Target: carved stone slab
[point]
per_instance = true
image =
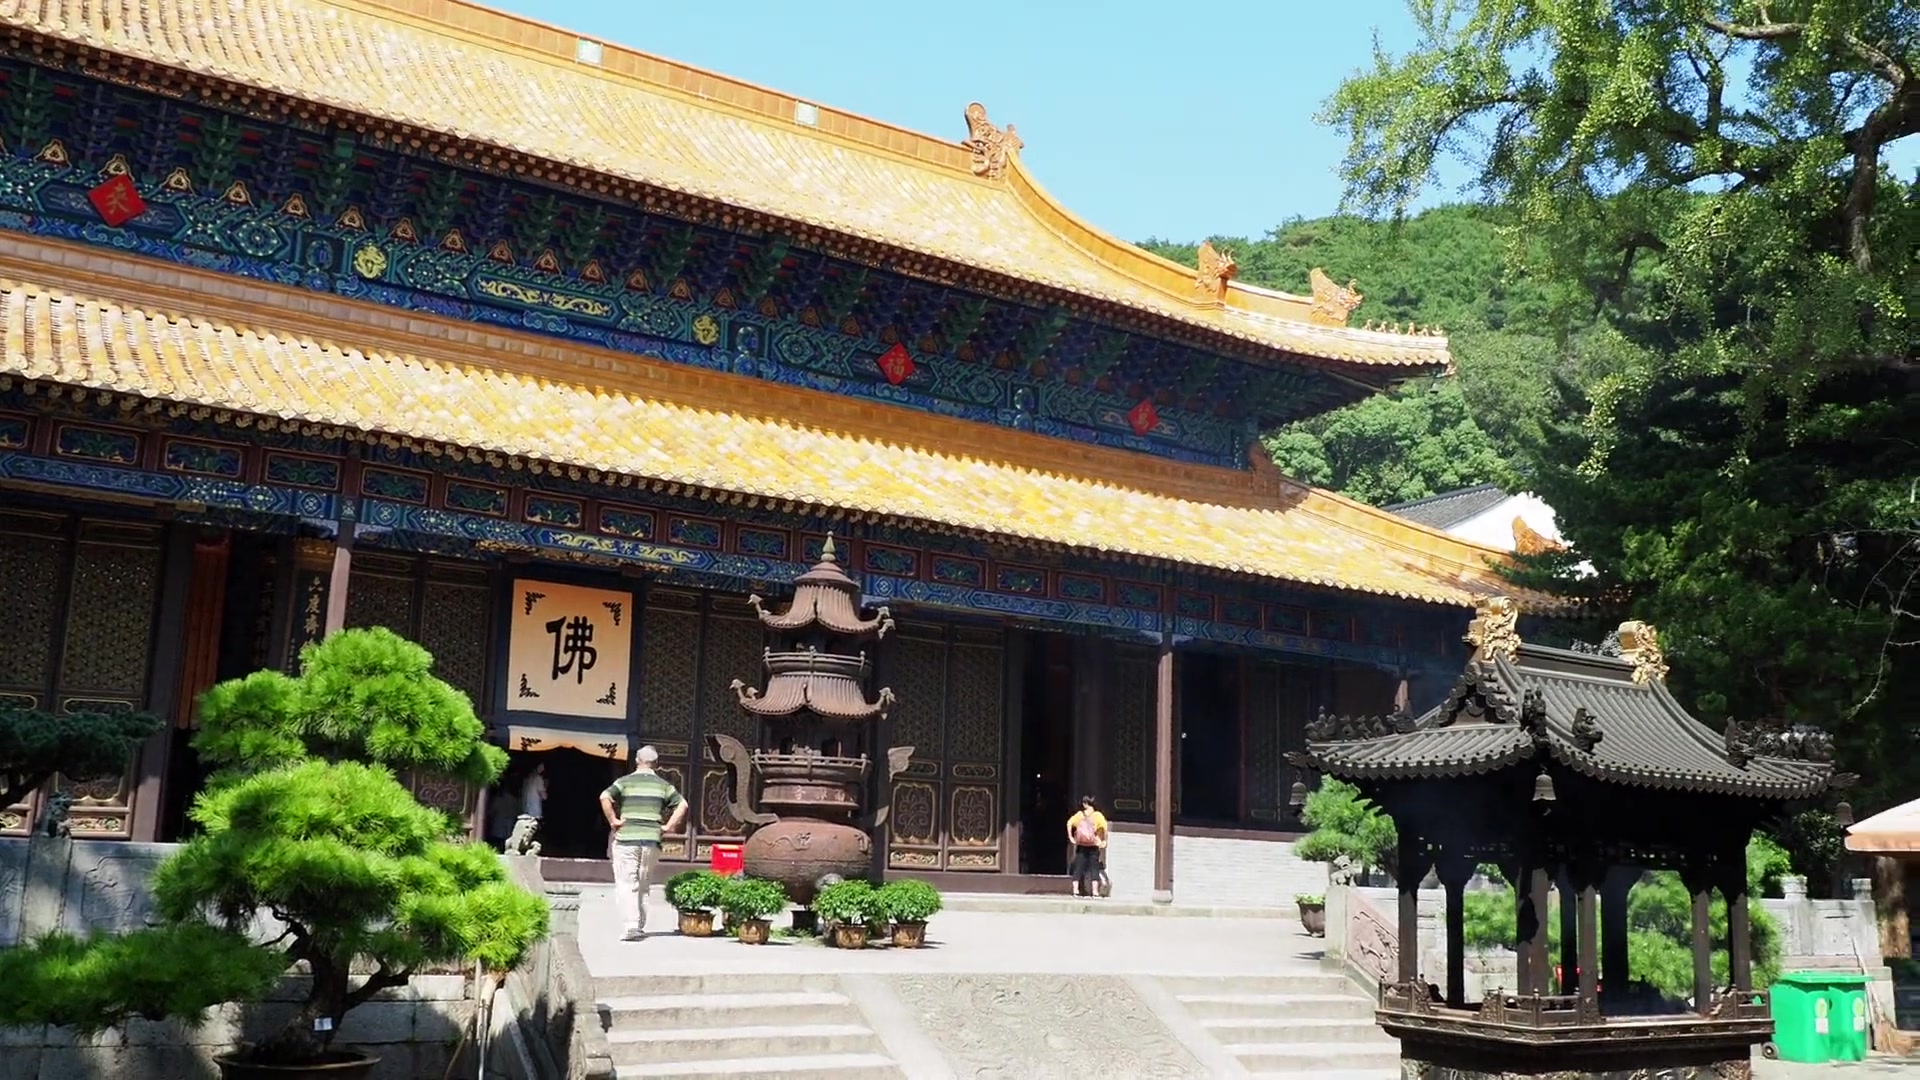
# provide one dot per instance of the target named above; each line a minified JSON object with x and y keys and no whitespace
{"x":1044,"y":1027}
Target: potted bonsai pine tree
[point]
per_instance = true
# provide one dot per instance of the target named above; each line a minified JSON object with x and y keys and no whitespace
{"x":311,"y":853}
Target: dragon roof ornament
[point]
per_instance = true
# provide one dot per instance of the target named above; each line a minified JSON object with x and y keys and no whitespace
{"x":1640,"y":646}
{"x":1495,"y":629}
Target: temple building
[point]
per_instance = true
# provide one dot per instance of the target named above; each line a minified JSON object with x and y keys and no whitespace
{"x":548,"y":354}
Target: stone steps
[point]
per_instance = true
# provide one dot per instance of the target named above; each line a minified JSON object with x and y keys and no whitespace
{"x":1294,"y":1029}
{"x":737,"y":1043}
{"x":826,"y":1067}
{"x":665,"y":1011}
{"x":1296,"y":1025}
{"x":1317,"y":1058}
{"x":783,"y":1026}
{"x":1308,"y":981}
{"x":1222,"y":1006}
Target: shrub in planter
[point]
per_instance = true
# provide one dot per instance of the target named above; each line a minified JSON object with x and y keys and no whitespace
{"x":1346,"y":826}
{"x":695,"y":894}
{"x":849,"y":907}
{"x":908,"y":904}
{"x":749,"y":904}
{"x":305,"y":825}
{"x":1313,"y":913}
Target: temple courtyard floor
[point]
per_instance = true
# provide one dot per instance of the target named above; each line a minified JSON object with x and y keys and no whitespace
{"x":1029,"y":988}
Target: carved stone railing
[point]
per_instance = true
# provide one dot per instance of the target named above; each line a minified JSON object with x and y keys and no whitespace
{"x":1372,"y":943}
{"x":552,"y":994}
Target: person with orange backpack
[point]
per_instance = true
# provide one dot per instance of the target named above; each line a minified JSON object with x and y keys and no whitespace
{"x":1087,"y":832}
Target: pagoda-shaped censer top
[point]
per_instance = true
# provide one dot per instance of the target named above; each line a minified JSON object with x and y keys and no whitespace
{"x":801,"y":790}
{"x":827,"y":599}
{"x":826,"y":685}
{"x":811,"y":675}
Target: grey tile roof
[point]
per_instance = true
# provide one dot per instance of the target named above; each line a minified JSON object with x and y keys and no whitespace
{"x":1449,"y":508}
{"x":1647,"y":738}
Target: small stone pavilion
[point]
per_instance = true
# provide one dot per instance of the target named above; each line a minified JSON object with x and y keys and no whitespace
{"x":1579,"y":771}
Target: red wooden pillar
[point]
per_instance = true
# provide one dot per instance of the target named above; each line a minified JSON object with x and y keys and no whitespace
{"x":206,"y":613}
{"x":1163,"y":773}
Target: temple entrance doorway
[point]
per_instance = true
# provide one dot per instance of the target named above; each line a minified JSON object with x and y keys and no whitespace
{"x":1046,"y":753}
{"x":571,"y":826}
{"x":1210,"y":754}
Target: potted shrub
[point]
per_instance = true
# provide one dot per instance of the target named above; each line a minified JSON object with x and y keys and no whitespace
{"x":1313,"y":913}
{"x":750,"y":903}
{"x":694,"y":894}
{"x":848,"y":907}
{"x":908,"y":904}
{"x":1347,"y":827}
{"x":312,"y":854}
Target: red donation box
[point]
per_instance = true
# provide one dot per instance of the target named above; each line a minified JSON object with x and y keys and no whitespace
{"x":728,"y":859}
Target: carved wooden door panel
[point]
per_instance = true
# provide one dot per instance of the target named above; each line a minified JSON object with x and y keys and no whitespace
{"x":80,"y":599}
{"x":951,"y":708}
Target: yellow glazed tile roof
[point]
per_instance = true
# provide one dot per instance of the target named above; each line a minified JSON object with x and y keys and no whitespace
{"x":496,"y":80}
{"x":204,"y":339}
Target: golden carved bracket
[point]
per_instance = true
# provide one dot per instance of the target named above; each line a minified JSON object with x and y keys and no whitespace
{"x":993,"y":149}
{"x":1495,"y":629}
{"x":1332,"y":304}
{"x":1216,"y":268}
{"x":1640,"y":646}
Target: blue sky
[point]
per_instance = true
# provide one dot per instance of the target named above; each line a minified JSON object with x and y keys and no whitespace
{"x":1170,"y":120}
{"x":1174,"y":121}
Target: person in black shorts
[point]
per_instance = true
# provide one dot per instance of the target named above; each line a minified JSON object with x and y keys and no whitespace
{"x":1087,"y":832}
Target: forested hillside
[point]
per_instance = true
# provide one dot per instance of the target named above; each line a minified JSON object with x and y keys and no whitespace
{"x":1446,"y":267}
{"x":1686,"y":313}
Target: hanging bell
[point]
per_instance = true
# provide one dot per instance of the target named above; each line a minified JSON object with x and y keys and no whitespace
{"x":1543,"y":789}
{"x":1297,"y":798}
{"x":1843,"y":814}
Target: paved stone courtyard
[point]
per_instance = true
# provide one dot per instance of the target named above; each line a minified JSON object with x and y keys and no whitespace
{"x":1046,"y":995}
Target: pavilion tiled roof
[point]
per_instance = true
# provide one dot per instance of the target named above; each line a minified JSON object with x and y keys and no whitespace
{"x":99,"y":320}
{"x":455,"y":78}
{"x":1450,"y":508}
{"x":1524,"y":705}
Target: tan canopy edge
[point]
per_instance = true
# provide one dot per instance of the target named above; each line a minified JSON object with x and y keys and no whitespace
{"x":594,"y":743}
{"x":1889,"y":832}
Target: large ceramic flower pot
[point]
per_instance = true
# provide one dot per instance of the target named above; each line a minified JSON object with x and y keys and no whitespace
{"x":696,"y":924}
{"x":850,"y":936}
{"x":796,"y":852}
{"x":340,"y":1065}
{"x":1313,"y":919}
{"x":909,"y":935}
{"x":755,"y":931}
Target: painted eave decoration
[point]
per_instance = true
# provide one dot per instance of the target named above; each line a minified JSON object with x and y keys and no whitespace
{"x":504,"y":92}
{"x":196,"y":338}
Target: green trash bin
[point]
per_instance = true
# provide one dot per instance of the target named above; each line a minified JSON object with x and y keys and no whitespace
{"x":1847,"y":1031}
{"x":1800,"y":1010}
{"x":1819,"y":1016}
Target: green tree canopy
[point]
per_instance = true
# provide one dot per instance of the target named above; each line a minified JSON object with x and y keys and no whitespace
{"x":1702,"y":190}
{"x":35,"y":745}
{"x":367,"y":696}
{"x":305,"y":825}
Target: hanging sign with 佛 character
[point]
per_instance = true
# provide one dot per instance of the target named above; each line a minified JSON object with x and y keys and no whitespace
{"x":569,"y":650}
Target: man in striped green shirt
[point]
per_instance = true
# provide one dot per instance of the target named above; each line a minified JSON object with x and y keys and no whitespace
{"x":635,"y":806}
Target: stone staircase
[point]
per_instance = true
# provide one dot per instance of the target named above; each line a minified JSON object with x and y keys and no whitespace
{"x":781,"y":1027}
{"x":1293,"y":1025}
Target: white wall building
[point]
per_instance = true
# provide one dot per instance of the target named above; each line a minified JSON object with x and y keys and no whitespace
{"x":1486,"y":515}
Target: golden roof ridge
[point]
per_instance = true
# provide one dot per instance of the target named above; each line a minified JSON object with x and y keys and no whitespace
{"x":309,"y":51}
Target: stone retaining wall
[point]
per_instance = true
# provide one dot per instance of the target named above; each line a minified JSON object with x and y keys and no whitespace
{"x":1214,"y":871}
{"x":101,"y":885}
